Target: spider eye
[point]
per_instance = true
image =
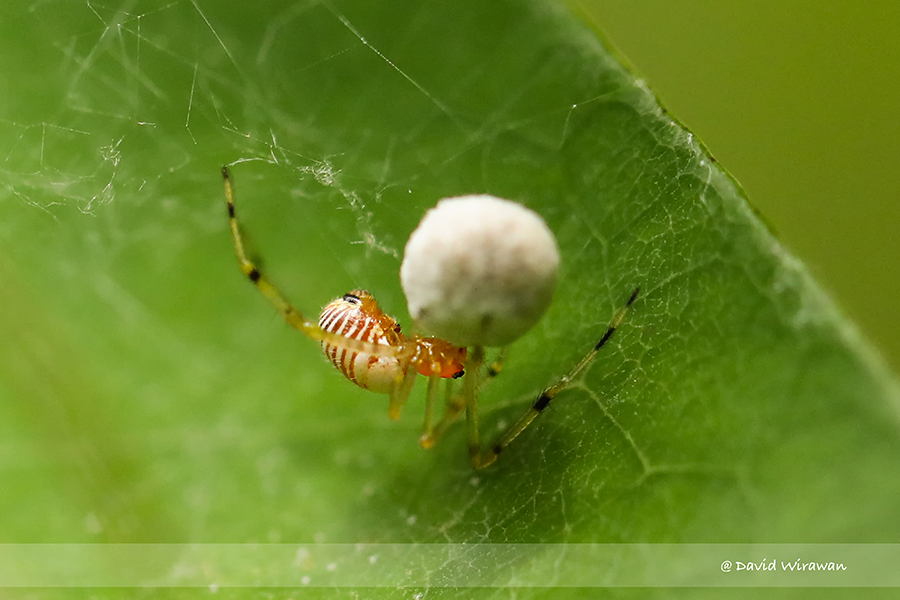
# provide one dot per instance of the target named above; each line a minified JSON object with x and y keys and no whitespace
{"x":351,"y":299}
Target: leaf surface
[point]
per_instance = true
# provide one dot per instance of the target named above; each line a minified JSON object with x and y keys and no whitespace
{"x":151,"y":395}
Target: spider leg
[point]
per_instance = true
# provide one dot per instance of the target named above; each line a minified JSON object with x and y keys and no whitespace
{"x":426,"y":440}
{"x":250,"y":270}
{"x":400,"y":391}
{"x":470,"y":392}
{"x":453,"y":405}
{"x":481,"y":460}
{"x":285,"y":308}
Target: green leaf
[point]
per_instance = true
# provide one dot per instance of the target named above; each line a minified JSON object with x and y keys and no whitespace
{"x":151,"y":395}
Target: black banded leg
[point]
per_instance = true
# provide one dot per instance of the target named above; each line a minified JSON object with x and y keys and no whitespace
{"x":250,"y":270}
{"x":291,"y":314}
{"x":543,"y":400}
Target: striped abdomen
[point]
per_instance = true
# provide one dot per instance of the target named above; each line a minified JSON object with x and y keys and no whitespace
{"x":356,"y":316}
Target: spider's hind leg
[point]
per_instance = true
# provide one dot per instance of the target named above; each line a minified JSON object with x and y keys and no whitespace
{"x":293,"y":316}
{"x":252,"y":272}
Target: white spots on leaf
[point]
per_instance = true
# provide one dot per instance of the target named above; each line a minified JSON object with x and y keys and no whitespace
{"x":92,"y":524}
{"x":302,"y":557}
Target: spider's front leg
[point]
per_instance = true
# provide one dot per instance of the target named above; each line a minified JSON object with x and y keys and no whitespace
{"x":484,"y":459}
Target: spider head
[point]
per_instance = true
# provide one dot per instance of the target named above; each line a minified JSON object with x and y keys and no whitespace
{"x":449,"y":360}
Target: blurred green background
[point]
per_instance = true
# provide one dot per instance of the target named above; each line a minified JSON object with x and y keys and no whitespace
{"x":147,"y":393}
{"x":799,"y":101}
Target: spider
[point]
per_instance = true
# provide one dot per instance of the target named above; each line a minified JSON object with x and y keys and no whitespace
{"x":368,"y":347}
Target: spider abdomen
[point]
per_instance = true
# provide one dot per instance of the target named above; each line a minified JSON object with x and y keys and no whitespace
{"x":356,"y":316}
